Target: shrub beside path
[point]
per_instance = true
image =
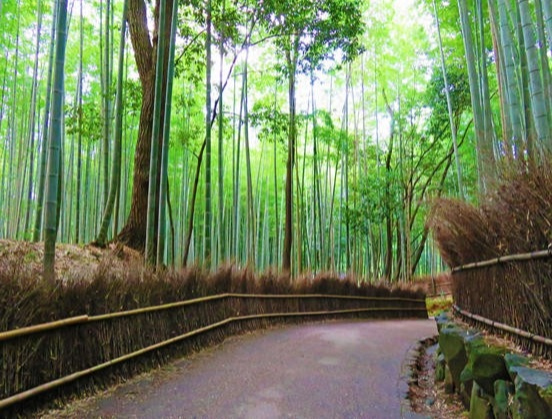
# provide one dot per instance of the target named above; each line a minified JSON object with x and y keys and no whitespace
{"x":342,"y":369}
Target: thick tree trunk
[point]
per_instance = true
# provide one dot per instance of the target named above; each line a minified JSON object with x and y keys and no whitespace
{"x":133,"y":233}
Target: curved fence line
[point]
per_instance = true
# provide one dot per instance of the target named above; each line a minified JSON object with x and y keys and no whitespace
{"x":540,"y":254}
{"x":17,"y":398}
{"x":510,"y":329}
{"x":43,"y":327}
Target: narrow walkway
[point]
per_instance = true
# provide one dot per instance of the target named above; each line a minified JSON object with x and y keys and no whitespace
{"x":331,"y":370}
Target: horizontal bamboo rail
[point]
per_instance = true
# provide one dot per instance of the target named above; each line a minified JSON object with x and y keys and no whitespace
{"x":540,"y":254}
{"x":75,"y":376}
{"x":504,"y":327}
{"x":43,"y":327}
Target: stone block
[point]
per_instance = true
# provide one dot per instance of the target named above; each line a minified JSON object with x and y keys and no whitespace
{"x":449,"y":382}
{"x":440,"y":365}
{"x":531,"y":389}
{"x":480,"y":408}
{"x":503,"y":396}
{"x":452,"y":343}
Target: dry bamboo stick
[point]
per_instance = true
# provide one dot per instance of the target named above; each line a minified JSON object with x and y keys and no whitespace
{"x":325,"y":313}
{"x":541,"y":254}
{"x":150,"y":309}
{"x":72,"y":377}
{"x":505,"y":327}
{"x":43,"y":327}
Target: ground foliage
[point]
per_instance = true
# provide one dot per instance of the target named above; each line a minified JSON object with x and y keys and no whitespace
{"x":516,"y":217}
{"x":25,"y":300}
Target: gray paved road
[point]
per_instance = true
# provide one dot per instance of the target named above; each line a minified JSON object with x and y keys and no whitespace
{"x":329,"y":370}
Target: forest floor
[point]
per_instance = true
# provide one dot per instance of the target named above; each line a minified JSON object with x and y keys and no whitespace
{"x":72,"y":261}
{"x":428,"y":397}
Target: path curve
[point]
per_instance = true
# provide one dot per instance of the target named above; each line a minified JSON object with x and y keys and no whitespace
{"x":343,"y":369}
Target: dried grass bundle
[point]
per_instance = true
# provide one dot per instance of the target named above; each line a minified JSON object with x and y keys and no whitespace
{"x":514,"y":218}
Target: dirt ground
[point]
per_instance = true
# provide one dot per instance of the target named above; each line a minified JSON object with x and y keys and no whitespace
{"x":72,"y":261}
{"x":428,"y":397}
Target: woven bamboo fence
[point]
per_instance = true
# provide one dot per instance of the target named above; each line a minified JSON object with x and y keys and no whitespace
{"x":39,"y":361}
{"x":511,"y":295}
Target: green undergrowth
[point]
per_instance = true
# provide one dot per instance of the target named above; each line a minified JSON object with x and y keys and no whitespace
{"x":436,"y":305}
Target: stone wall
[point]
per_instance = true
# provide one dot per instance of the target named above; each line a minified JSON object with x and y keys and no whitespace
{"x":491,"y":381}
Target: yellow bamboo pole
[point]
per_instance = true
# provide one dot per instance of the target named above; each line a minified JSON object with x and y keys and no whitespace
{"x":510,"y":329}
{"x":161,"y":307}
{"x":72,"y":377}
{"x":332,"y":296}
{"x":43,"y":327}
{"x":541,"y":254}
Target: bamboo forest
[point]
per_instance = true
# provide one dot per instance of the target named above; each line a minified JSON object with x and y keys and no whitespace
{"x":296,"y":135}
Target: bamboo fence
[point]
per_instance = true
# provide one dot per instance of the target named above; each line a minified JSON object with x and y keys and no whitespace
{"x":511,"y":295}
{"x":501,"y":326}
{"x":107,"y":340}
{"x":519,"y":257}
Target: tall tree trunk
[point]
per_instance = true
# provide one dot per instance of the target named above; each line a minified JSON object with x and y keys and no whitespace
{"x":524,"y":87}
{"x":221,"y":248}
{"x":133,"y":233}
{"x":156,"y":139}
{"x":117,"y":143}
{"x":387,"y":198}
{"x":106,"y":46}
{"x":485,"y":156}
{"x":512,"y":83}
{"x":543,"y":55}
{"x":449,"y":107}
{"x":276,"y":203}
{"x":251,"y":236}
{"x":490,"y":136}
{"x":79,"y":128}
{"x":164,"y":197}
{"x":54,"y":151}
{"x":45,"y":132}
{"x":538,"y":102}
{"x":547,"y":12}
{"x":32,"y":118}
{"x":291,"y":60}
{"x":208,"y":215}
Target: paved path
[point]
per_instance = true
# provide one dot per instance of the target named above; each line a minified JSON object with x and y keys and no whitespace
{"x":345,"y":369}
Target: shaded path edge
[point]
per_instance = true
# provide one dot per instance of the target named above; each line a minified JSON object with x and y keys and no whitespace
{"x":408,"y":376}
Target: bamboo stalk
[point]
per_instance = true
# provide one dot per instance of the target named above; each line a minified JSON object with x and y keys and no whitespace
{"x":72,"y":377}
{"x":541,"y":254}
{"x":504,"y":327}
